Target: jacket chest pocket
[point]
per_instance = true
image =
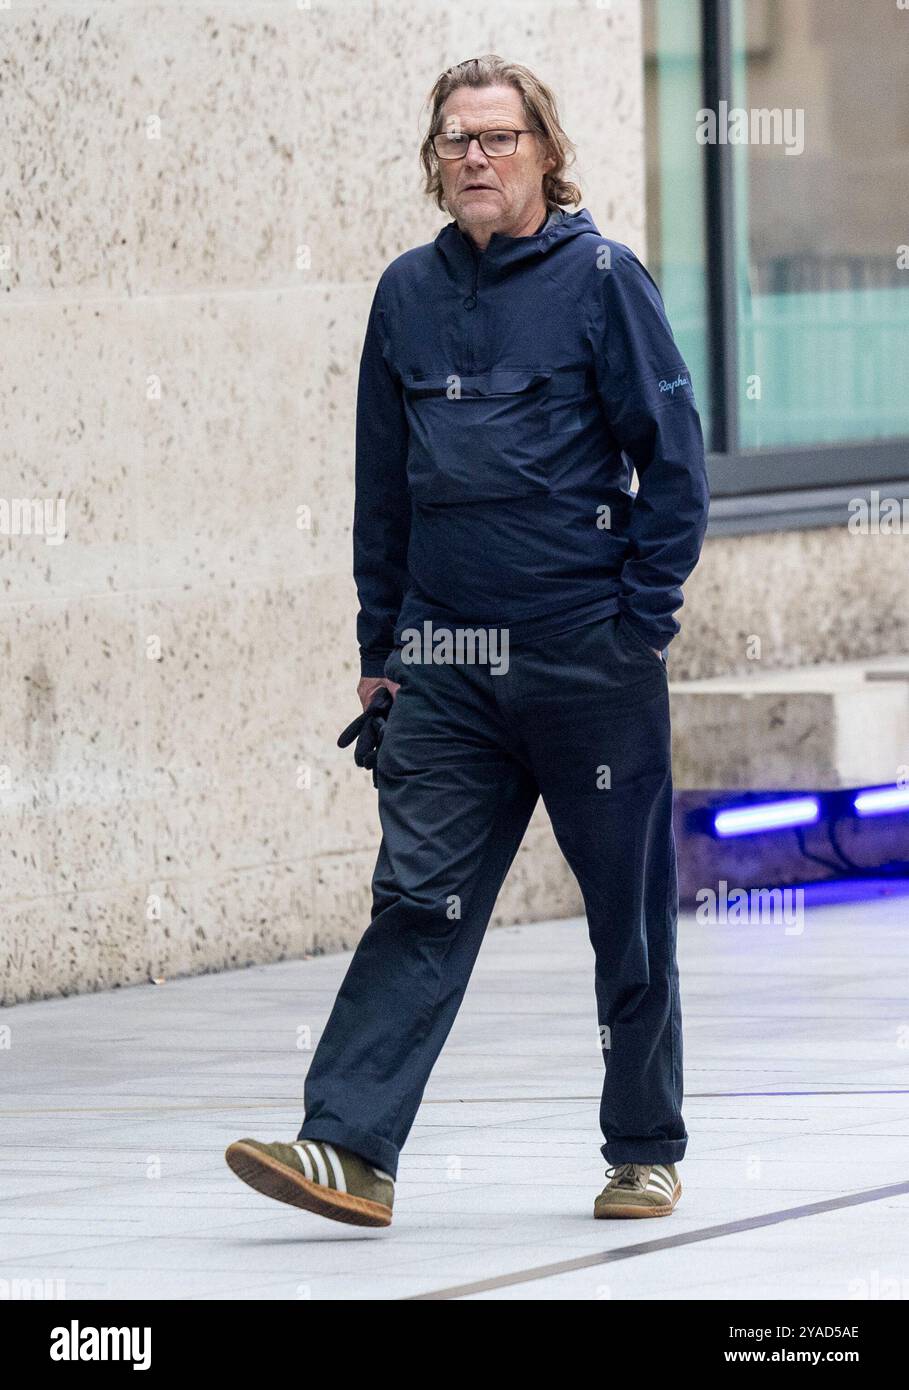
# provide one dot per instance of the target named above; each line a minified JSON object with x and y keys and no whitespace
{"x":477,"y":438}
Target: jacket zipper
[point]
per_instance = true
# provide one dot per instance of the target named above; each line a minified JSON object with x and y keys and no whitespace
{"x":471,"y":315}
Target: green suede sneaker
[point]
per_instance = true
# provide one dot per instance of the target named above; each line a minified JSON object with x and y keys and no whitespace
{"x":639,"y":1189}
{"x":319,"y":1177}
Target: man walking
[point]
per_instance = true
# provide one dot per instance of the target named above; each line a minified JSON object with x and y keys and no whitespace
{"x":514,"y":371}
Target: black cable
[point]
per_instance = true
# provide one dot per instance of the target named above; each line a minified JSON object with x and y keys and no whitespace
{"x":806,"y":853}
{"x":850,"y":863}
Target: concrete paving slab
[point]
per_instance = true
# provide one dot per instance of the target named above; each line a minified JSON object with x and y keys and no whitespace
{"x":117,"y":1108}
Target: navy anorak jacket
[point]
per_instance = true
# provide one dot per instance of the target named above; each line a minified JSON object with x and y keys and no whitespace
{"x":504,"y":398}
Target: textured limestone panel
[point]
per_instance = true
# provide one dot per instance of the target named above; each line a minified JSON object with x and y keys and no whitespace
{"x":71,"y":142}
{"x":200,"y":825}
{"x":201,"y":134}
{"x":178,"y":941}
{"x":753,"y":740}
{"x":256,"y":916}
{"x":307,"y":358}
{"x":330,"y":656}
{"x":72,"y":944}
{"x":220,"y":153}
{"x":71,"y":417}
{"x":342,"y":900}
{"x":24,"y":839}
{"x":809,"y":596}
{"x":216,"y":504}
{"x":345,"y":807}
{"x":241,"y":718}
{"x":820,"y":726}
{"x":365,"y":71}
{"x":185,"y":378}
{"x":159,"y":146}
{"x":70,"y":733}
{"x":248,"y":437}
{"x":240,"y":918}
{"x":91,"y":847}
{"x":263,"y":815}
{"x":226,"y":735}
{"x":231,"y":673}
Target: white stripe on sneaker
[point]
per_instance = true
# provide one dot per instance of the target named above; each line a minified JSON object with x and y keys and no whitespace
{"x":336,"y":1168}
{"x":661,"y":1181}
{"x":379,"y":1174}
{"x":304,"y":1159}
{"x":315,"y":1152}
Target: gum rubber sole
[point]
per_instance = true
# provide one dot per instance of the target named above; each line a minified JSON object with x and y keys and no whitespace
{"x":266,"y":1175}
{"x":636,"y":1212}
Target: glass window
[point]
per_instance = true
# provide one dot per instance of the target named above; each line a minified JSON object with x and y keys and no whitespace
{"x":821,"y":199}
{"x":676,"y":240}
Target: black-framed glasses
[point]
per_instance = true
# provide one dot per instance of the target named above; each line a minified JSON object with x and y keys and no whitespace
{"x":454,"y":144}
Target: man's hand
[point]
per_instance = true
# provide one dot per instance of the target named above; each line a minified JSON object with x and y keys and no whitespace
{"x":370,"y":684}
{"x":377,"y":697}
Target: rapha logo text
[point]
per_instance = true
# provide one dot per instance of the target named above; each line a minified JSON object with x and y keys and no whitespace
{"x":673,"y":386}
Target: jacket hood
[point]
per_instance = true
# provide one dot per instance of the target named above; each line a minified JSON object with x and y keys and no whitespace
{"x":504,"y":252}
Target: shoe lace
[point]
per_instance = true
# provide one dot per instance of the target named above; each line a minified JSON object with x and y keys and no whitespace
{"x":625,"y":1175}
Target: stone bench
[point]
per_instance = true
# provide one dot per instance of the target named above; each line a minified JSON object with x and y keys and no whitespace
{"x":819,"y":727}
{"x":815,"y":729}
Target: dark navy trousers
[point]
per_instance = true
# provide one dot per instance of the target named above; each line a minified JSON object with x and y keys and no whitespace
{"x":583,"y":720}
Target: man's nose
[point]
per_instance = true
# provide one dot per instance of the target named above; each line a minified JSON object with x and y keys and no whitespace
{"x":475,"y":156}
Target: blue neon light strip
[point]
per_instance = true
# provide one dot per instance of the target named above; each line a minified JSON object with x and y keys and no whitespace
{"x":879,"y":801}
{"x":766,"y":815}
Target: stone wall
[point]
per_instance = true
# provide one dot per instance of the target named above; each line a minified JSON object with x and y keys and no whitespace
{"x":199,"y":199}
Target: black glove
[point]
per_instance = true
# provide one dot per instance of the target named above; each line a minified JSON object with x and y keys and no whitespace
{"x":368,"y":729}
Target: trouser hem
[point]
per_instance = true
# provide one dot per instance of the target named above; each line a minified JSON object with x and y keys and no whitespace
{"x":380,"y":1152}
{"x":644,"y":1150}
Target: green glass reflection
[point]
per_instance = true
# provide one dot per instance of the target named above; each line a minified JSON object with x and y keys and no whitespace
{"x":676,"y":254}
{"x":823,"y":298}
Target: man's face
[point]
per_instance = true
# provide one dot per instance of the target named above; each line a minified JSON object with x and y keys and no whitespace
{"x":503,"y":194}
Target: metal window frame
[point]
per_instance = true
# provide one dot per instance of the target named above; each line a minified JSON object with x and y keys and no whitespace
{"x":802,"y":486}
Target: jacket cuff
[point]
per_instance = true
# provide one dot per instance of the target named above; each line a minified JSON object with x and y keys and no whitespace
{"x":651,"y":636}
{"x":373,"y":665}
